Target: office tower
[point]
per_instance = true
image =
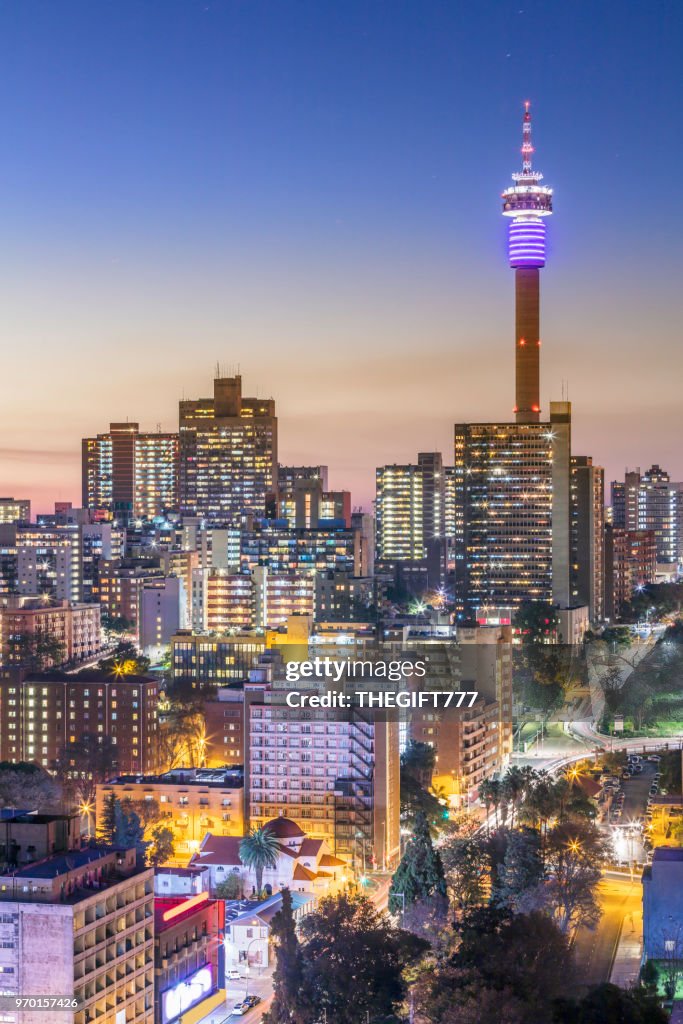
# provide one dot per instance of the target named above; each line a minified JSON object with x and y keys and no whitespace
{"x":80,"y":922}
{"x":224,"y":726}
{"x":588,"y":536}
{"x":15,"y":510}
{"x":41,"y":715}
{"x":228,"y":453}
{"x":193,"y":801}
{"x":287,"y":476}
{"x":512,"y":512}
{"x":363,"y":524}
{"x":625,"y":501}
{"x":512,"y":481}
{"x":47,"y":561}
{"x":325,"y":549}
{"x":630,"y":563}
{"x":119,"y":585}
{"x":410,"y":510}
{"x":161,"y":613}
{"x":652,"y":501}
{"x":218,"y":660}
{"x":129,"y":474}
{"x":526,"y":203}
{"x":307,"y":505}
{"x":99,"y":543}
{"x":338,"y":780}
{"x":342,"y":598}
{"x":40,"y":635}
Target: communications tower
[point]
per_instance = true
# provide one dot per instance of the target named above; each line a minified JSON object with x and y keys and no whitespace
{"x":527,"y":203}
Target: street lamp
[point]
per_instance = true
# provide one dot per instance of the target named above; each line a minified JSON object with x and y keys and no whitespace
{"x":361,"y":836}
{"x":246,"y":970}
{"x":86,"y":809}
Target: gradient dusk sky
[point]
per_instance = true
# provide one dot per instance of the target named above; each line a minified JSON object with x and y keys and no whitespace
{"x":309,"y":191}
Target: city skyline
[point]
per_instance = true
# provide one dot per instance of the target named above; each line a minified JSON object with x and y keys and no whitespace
{"x":220,"y":216}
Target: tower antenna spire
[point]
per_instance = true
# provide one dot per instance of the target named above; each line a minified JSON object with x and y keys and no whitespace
{"x":527,"y":148}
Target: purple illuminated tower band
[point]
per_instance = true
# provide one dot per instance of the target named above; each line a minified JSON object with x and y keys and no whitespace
{"x":527,"y":202}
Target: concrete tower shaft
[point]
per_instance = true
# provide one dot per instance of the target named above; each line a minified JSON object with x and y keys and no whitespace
{"x":527,"y":345}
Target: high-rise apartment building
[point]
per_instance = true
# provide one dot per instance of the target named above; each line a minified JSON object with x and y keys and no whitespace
{"x":588,"y":536}
{"x":410,"y":510}
{"x":228,"y":453}
{"x":651,"y":501}
{"x":338,"y":780}
{"x":129,"y":474}
{"x":15,"y":510}
{"x":80,"y":923}
{"x":42,"y":715}
{"x":630,"y":562}
{"x":48,"y":561}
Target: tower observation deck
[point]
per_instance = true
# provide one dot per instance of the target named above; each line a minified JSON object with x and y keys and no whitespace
{"x":527,"y":203}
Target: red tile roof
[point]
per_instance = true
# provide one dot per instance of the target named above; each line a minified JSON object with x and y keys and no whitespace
{"x":218,"y":850}
{"x":284,"y":828}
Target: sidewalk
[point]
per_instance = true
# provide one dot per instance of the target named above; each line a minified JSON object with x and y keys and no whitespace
{"x":629,"y":952}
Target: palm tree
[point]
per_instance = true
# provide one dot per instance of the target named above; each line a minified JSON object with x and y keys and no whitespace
{"x":259,"y":850}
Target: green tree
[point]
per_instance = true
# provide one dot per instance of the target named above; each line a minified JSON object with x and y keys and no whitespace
{"x":420,"y":875}
{"x":418,"y":760}
{"x":231,"y":888}
{"x":162,"y":847}
{"x":292,"y":1003}
{"x":467,"y":869}
{"x":106,"y":821}
{"x":523,"y":954}
{"x":259,"y":850}
{"x":130,"y":831}
{"x":575,"y":852}
{"x":606,"y":1003}
{"x":124,"y":661}
{"x":354,"y":959}
{"x":36,"y":651}
{"x":27,"y":785}
{"x":85,"y":763}
{"x":521,"y":871}
{"x":490,"y":791}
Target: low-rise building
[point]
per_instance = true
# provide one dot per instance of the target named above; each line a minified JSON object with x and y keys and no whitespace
{"x":188,"y":970}
{"x":69,"y":633}
{"x":303,"y":865}
{"x":170,"y":881}
{"x":247,"y":936}
{"x":663,"y":905}
{"x":192,"y":801}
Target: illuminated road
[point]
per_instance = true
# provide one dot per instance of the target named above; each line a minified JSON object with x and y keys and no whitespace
{"x":594,"y":950}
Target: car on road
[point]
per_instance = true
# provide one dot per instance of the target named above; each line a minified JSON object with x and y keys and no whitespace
{"x":654,"y":757}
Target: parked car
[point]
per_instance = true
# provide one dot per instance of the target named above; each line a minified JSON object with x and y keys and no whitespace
{"x":654,"y":757}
